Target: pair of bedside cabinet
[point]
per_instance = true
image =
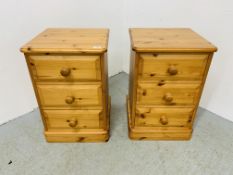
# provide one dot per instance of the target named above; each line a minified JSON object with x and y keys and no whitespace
{"x":68,"y":68}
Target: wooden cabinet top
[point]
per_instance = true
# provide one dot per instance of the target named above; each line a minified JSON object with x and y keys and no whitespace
{"x":168,"y":40}
{"x":68,"y":40}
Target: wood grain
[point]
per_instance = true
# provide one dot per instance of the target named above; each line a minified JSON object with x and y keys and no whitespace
{"x":151,"y":116}
{"x":168,"y":69}
{"x":156,"y":133}
{"x":168,"y":40}
{"x":59,"y":120}
{"x":68,"y":68}
{"x":68,"y":40}
{"x":106,"y":99}
{"x":91,"y":135}
{"x":153,"y":93}
{"x":56,"y":95}
{"x":81,"y":67}
{"x":156,"y":66}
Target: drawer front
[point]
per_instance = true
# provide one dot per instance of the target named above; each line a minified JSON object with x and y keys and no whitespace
{"x":65,"y":67}
{"x":69,"y":95}
{"x":167,"y":94}
{"x":72,"y":119}
{"x":163,"y":116}
{"x":172,"y":66}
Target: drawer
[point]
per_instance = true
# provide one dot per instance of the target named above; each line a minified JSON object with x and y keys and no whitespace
{"x":167,"y":93}
{"x":163,"y":116}
{"x":72,"y":119}
{"x":70,"y":95}
{"x":172,"y":66}
{"x":65,"y":67}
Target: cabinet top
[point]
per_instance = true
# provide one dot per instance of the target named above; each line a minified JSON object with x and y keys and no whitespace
{"x":68,"y":40}
{"x":168,"y":40}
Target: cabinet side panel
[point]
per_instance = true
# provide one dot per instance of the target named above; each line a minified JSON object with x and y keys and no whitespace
{"x":131,"y":74}
{"x":202,"y":86}
{"x":133,"y":85}
{"x":104,"y":122}
{"x":35,"y":89}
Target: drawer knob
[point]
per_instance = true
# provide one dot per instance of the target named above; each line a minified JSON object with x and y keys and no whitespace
{"x":72,"y":123}
{"x":172,"y":70}
{"x":65,"y":72}
{"x":163,"y":120}
{"x":70,"y":99}
{"x":142,"y":116}
{"x":168,"y":97}
{"x":144,"y":92}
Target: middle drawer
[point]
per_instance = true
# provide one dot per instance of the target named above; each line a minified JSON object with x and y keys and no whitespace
{"x":70,"y":95}
{"x":167,"y":93}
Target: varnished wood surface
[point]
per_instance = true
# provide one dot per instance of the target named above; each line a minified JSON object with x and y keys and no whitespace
{"x":154,"y":94}
{"x":68,"y":68}
{"x":188,"y":66}
{"x":68,"y":40}
{"x":94,"y":135}
{"x":168,"y":69}
{"x":155,"y":133}
{"x":106,"y":99}
{"x":80,"y":67}
{"x":168,"y":40}
{"x":72,"y":120}
{"x":82,"y":135}
{"x":154,"y":116}
{"x":83,"y":95}
{"x":202,"y":85}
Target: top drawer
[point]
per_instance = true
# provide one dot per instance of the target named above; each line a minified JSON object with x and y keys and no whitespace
{"x":172,"y":66}
{"x":65,"y":67}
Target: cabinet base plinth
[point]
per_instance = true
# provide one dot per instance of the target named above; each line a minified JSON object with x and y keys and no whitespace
{"x":84,"y":136}
{"x":156,"y":133}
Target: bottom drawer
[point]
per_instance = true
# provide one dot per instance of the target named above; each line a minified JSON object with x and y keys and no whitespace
{"x":146,"y":116}
{"x":72,"y":119}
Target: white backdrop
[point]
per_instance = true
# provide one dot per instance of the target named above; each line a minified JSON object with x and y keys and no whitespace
{"x":22,"y":20}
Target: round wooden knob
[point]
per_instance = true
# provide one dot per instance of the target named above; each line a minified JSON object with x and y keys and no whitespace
{"x":69,"y":99}
{"x":163,"y":120}
{"x":144,"y":93}
{"x":172,"y":70}
{"x":168,"y":97}
{"x":72,"y":123}
{"x":65,"y":72}
{"x":142,"y":116}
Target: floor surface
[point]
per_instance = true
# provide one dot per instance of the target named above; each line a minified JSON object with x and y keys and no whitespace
{"x":24,"y":151}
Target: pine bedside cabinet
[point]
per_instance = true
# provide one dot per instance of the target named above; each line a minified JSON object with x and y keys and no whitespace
{"x":167,"y":73}
{"x":68,"y":68}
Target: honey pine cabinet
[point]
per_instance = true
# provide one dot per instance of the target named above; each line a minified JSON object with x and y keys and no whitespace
{"x":168,"y":69}
{"x":68,"y":68}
